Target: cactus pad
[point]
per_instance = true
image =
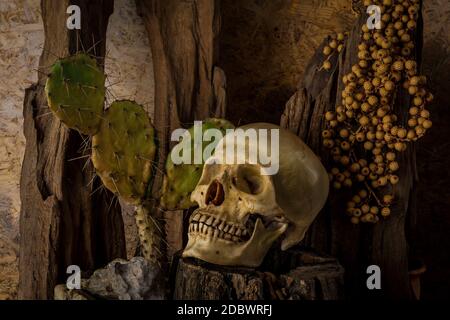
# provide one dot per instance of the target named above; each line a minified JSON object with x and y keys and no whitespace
{"x":181,"y":179}
{"x":75,"y":91}
{"x":123,"y":150}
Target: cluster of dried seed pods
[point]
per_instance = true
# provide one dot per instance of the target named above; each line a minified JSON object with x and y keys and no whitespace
{"x":335,"y":44}
{"x":364,"y":133}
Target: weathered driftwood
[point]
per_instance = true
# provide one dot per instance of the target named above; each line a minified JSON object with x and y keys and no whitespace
{"x":356,"y":247}
{"x":62,"y":220}
{"x":188,"y":84}
{"x":313,"y":277}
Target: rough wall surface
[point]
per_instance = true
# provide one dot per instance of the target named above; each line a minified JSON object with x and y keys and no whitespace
{"x":21,"y":39}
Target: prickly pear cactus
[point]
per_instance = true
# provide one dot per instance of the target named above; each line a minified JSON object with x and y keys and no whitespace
{"x":181,"y":179}
{"x":123,"y":150}
{"x":75,"y":91}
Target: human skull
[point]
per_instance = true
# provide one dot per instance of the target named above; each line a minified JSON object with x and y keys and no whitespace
{"x":242,"y":210}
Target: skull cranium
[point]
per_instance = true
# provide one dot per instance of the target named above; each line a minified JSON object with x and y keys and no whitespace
{"x":242,"y":212}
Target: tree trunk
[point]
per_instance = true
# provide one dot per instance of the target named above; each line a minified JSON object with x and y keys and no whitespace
{"x":356,"y":247}
{"x":188,"y":84}
{"x":312,"y":277}
{"x":63,"y":221}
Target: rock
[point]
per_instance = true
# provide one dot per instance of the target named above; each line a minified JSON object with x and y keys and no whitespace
{"x":136,"y":279}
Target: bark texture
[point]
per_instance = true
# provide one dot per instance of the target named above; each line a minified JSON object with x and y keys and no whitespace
{"x":313,"y":277}
{"x":188,"y":84}
{"x":356,"y":247}
{"x":63,"y":221}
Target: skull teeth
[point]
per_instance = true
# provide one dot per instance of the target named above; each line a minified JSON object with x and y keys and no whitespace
{"x":216,"y":228}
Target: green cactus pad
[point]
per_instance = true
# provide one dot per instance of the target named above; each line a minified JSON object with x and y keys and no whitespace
{"x":123,"y":150}
{"x":181,"y":179}
{"x":75,"y":91}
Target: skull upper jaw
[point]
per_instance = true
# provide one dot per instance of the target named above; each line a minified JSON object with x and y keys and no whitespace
{"x":224,"y":252}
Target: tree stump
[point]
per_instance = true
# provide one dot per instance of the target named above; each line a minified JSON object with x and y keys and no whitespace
{"x":313,"y":277}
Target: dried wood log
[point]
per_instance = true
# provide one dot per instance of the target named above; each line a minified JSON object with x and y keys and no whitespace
{"x":62,"y":221}
{"x":188,"y":84}
{"x":313,"y":277}
{"x":356,"y":247}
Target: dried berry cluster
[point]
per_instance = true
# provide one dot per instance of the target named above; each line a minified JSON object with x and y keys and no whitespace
{"x":364,"y":134}
{"x":336,"y":44}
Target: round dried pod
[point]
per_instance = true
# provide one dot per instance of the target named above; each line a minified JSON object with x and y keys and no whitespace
{"x":381,"y":112}
{"x":393,"y":166}
{"x":347,"y":183}
{"x":355,"y":167}
{"x":412,"y":122}
{"x":329,"y":115}
{"x":411,"y":135}
{"x":372,"y":100}
{"x":390,"y":156}
{"x":333,"y":44}
{"x":363,"y":120}
{"x":413,"y":111}
{"x":336,"y":151}
{"x":368,"y":145}
{"x":345,"y":160}
{"x":337,"y":185}
{"x":370,"y":135}
{"x":425,"y":113}
{"x":360,"y":136}
{"x":410,"y":65}
{"x":378,"y":159}
{"x":360,"y":177}
{"x":414,"y":81}
{"x":379,"y":135}
{"x":365,"y":171}
{"x":405,"y":38}
{"x":341,"y":117}
{"x":365,"y":107}
{"x":427,"y":124}
{"x":349,"y":114}
{"x":365,"y":208}
{"x":354,"y":220}
{"x":406,"y":51}
{"x":345,"y":145}
{"x":389,"y":85}
{"x":344,"y":133}
{"x":374,"y":210}
{"x":327,"y":50}
{"x":387,"y":199}
{"x":340,"y":177}
{"x":412,"y":90}
{"x":420,"y":131}
{"x":417,"y":101}
{"x":401,"y":133}
{"x":399,"y":146}
{"x":326,"y":65}
{"x":327,"y":134}
{"x":334,"y":171}
{"x":385,"y":212}
{"x":328,"y":143}
{"x":398,"y":65}
{"x":376,"y":82}
{"x":411,"y":24}
{"x":333,"y":123}
{"x":393,"y":179}
{"x":382,"y":181}
{"x":429,"y":97}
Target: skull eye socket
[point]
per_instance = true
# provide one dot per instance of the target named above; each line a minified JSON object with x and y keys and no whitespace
{"x":249,"y":179}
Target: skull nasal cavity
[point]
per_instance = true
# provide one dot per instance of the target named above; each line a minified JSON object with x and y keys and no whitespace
{"x":215,"y":193}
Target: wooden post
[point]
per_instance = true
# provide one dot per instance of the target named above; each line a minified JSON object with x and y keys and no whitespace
{"x":188,"y":84}
{"x":63,"y":221}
